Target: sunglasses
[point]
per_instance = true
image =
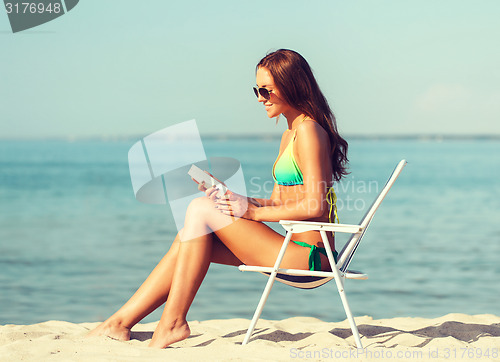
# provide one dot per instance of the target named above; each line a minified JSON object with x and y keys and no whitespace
{"x":264,"y":92}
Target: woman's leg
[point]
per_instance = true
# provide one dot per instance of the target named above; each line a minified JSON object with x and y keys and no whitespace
{"x":251,"y":242}
{"x":153,"y":292}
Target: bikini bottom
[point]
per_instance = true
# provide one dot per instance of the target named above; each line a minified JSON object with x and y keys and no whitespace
{"x":314,"y":257}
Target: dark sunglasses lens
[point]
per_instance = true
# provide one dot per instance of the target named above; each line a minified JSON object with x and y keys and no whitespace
{"x":264,"y":93}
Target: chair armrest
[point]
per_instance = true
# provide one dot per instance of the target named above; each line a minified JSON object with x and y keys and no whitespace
{"x":303,"y":226}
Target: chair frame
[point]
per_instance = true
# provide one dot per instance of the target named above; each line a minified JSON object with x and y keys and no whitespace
{"x":339,"y":270}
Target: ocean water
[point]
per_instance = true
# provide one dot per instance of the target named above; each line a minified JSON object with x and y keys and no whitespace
{"x":75,"y":244}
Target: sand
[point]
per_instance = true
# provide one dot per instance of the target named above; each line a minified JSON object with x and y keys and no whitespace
{"x":448,"y":338}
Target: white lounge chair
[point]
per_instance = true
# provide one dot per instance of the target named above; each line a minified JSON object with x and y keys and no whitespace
{"x":308,"y":279}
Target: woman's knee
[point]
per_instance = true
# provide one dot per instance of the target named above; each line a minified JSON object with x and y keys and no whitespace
{"x":203,"y":217}
{"x":199,"y":208}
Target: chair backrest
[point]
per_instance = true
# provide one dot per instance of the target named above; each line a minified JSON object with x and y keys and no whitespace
{"x":347,"y":252}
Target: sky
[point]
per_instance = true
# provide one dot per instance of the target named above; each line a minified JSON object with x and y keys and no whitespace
{"x":120,"y":68}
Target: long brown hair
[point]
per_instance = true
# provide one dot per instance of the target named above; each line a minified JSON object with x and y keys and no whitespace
{"x":295,"y":80}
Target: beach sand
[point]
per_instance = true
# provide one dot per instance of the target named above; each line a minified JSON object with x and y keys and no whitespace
{"x":448,"y":338}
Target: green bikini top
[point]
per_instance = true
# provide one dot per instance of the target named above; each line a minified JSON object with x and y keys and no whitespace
{"x":286,"y":172}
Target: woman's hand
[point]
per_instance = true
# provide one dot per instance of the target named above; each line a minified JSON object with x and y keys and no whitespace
{"x":211,"y":191}
{"x":235,"y":205}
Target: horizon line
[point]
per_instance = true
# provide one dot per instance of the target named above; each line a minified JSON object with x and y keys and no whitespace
{"x":263,"y":136}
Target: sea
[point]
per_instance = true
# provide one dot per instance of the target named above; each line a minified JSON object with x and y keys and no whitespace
{"x":75,"y":243}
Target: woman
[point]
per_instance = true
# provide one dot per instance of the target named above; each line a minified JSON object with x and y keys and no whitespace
{"x":312,"y":155}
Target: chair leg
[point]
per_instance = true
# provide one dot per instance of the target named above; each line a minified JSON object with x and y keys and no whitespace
{"x":267,"y":289}
{"x":260,"y":307}
{"x":340,"y":288}
{"x":348,"y":312}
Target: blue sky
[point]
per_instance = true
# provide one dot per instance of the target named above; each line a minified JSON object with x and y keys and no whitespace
{"x":125,"y":68}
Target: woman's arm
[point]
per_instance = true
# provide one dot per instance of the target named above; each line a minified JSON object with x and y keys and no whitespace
{"x":313,"y":156}
{"x":274,"y":200}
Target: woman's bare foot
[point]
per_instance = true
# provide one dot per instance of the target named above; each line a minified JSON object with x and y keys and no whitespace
{"x":111,"y":329}
{"x":164,"y":336}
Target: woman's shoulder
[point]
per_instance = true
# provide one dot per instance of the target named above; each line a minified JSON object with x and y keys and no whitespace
{"x":311,"y":131}
{"x":312,"y":144}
